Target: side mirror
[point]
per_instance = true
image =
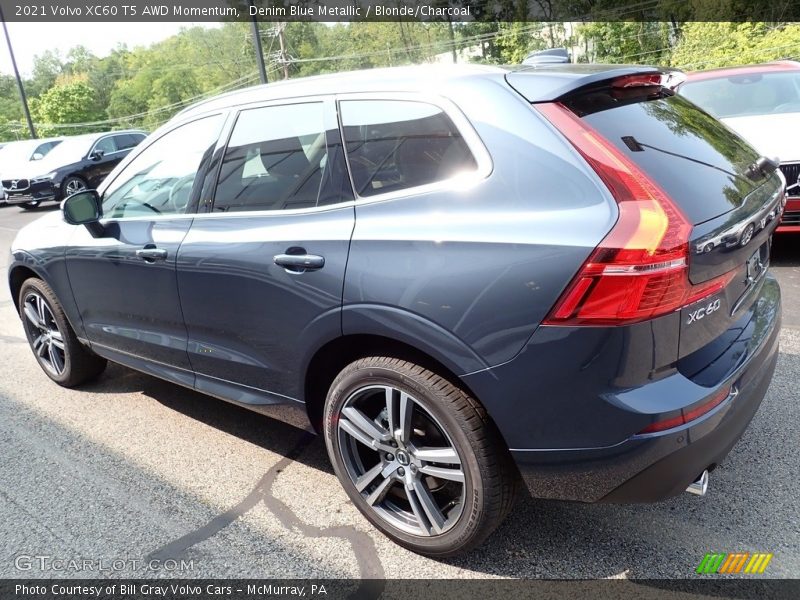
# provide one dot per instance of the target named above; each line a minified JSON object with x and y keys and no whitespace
{"x":96,"y":155}
{"x":84,"y":208}
{"x":37,"y":156}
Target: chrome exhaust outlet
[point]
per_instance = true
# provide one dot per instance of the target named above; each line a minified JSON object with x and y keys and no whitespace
{"x":699,"y":487}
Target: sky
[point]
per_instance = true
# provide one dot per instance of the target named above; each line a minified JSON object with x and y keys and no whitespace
{"x":30,"y":39}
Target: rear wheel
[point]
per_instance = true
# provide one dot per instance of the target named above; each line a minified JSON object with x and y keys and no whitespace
{"x":59,"y":353}
{"x":418,"y":456}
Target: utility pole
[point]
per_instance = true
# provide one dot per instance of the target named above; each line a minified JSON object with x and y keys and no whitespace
{"x":262,"y":69}
{"x":282,"y":42}
{"x":19,"y":79}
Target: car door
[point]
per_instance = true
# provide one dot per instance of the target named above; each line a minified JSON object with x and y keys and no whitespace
{"x":101,"y":160}
{"x":261,"y":272}
{"x":124,"y":280}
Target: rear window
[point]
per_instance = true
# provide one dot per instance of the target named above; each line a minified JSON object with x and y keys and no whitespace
{"x":695,"y":159}
{"x":745,"y":95}
{"x":399,"y":144}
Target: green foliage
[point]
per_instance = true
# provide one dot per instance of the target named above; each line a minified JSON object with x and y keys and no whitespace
{"x":145,"y":86}
{"x":64,"y":103}
{"x":708,"y":45}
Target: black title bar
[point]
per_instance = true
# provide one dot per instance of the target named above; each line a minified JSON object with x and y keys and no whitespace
{"x":398,"y":10}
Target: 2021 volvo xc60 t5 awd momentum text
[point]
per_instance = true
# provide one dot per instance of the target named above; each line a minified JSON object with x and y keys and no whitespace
{"x":463,"y":279}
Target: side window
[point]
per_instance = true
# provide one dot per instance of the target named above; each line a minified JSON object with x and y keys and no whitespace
{"x":279,"y":158}
{"x":107,"y":145}
{"x":126,"y":141}
{"x":160,"y":179}
{"x":398,"y":144}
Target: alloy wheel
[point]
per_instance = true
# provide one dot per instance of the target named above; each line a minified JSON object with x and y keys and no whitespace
{"x":73,"y":186}
{"x":401,"y":460}
{"x":45,"y":337}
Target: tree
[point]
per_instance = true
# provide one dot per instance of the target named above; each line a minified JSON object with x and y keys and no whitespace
{"x":708,"y":45}
{"x":67,"y":103}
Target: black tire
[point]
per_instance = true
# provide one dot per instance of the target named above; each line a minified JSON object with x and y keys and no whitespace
{"x":80,"y":364}
{"x":30,"y":205}
{"x":72,"y":185}
{"x":489,"y":477}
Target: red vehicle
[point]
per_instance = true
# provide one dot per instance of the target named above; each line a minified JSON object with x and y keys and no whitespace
{"x":762,"y":104}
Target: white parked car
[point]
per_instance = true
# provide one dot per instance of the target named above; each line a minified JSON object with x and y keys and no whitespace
{"x":762,"y":104}
{"x":12,"y":154}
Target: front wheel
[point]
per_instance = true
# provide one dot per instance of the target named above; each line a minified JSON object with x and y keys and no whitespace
{"x":72,"y":185}
{"x":418,"y":456}
{"x":59,"y":353}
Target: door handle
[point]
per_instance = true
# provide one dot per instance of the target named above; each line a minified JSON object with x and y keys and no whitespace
{"x":151,"y":254}
{"x":297,"y":261}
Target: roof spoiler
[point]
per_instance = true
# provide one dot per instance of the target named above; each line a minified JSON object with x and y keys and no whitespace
{"x":555,"y":83}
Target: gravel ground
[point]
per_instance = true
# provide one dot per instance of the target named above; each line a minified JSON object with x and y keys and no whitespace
{"x":131,"y":468}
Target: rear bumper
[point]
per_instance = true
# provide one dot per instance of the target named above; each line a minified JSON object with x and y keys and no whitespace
{"x":651,"y":467}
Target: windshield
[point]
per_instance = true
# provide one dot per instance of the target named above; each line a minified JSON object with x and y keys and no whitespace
{"x":70,"y":150}
{"x":747,"y":94}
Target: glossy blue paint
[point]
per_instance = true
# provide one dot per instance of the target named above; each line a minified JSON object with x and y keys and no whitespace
{"x":464,"y":272}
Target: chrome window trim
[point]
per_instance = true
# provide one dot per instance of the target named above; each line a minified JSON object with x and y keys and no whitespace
{"x":485,"y":165}
{"x":483,"y":159}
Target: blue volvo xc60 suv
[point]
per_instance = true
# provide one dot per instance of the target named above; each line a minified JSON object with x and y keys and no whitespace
{"x":464,"y":279}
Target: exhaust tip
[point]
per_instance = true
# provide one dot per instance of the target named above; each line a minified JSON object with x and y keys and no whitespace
{"x":699,"y":487}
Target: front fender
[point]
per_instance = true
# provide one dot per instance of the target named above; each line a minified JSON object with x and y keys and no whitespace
{"x":50,"y":267}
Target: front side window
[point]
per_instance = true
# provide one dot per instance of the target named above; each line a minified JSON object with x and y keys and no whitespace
{"x":106,"y":145}
{"x":160,"y":180}
{"x":282,"y":158}
{"x":399,"y":144}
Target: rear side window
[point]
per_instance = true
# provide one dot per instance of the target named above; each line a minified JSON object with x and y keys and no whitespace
{"x":399,"y":144}
{"x":128,"y":140}
{"x":282,"y":158}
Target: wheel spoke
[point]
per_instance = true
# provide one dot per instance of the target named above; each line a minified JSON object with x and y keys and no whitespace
{"x":32,"y":315}
{"x":57,"y":341}
{"x":40,"y":346}
{"x":379,"y":493}
{"x":55,"y":359}
{"x":406,"y":412}
{"x":446,"y":456}
{"x":390,"y":409}
{"x":435,"y":516}
{"x":418,"y":511}
{"x":367,"y":426}
{"x":368,"y":477}
{"x":40,"y":309}
{"x":443,"y":473}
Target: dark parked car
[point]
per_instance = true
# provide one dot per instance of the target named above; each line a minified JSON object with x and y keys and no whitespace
{"x":78,"y":163}
{"x":555,"y":275}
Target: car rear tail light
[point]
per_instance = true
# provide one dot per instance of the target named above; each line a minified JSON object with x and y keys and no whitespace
{"x":640,"y":270}
{"x":691,"y":415}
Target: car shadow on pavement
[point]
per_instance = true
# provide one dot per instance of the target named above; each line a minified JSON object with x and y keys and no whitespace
{"x":269,"y":433}
{"x":547,"y":539}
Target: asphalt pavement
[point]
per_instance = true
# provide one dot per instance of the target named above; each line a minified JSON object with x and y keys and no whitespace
{"x":142,"y":472}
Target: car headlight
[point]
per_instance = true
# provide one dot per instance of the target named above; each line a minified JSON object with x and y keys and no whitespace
{"x":49,"y":177}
